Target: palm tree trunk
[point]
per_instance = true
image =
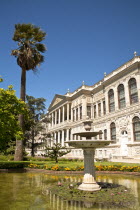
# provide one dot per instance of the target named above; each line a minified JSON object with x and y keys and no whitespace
{"x":19,"y":143}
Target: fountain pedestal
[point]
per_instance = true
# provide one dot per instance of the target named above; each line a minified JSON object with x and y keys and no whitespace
{"x":88,"y":146}
{"x":89,"y":183}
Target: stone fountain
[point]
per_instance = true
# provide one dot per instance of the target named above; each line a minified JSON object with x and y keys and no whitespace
{"x":88,"y":145}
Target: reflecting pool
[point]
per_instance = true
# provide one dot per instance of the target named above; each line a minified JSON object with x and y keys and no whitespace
{"x":29,"y":191}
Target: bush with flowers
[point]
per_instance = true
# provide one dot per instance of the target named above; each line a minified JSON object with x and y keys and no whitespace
{"x":117,"y":167}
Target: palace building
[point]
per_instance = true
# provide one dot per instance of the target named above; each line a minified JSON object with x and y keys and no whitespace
{"x":113,"y":104}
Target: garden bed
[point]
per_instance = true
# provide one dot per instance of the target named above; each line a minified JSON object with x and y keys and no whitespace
{"x":111,"y":195}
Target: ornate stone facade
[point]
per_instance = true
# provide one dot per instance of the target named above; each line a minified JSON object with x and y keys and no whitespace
{"x":113,"y":104}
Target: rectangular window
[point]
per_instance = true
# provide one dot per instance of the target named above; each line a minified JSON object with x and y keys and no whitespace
{"x":89,"y":111}
{"x":104,"y":107}
{"x":73,"y":115}
{"x":69,"y":111}
{"x":76,"y":113}
{"x":105,"y":134}
{"x":100,"y":135}
{"x":112,"y":107}
{"x":113,"y":133}
{"x":99,"y":109}
{"x":94,"y":111}
{"x":80,"y":112}
{"x":134,"y":98}
{"x":57,"y":115}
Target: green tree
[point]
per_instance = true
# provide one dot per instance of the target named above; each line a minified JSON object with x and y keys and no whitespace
{"x":37,"y":110}
{"x":56,"y":151}
{"x":29,"y":56}
{"x":10,"y":108}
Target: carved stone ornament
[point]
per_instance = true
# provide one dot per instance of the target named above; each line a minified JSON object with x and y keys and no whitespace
{"x":137,"y":150}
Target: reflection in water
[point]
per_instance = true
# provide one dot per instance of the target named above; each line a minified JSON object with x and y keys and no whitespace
{"x":29,"y":191}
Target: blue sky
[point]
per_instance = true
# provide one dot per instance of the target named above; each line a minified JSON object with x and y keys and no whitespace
{"x":85,"y":38}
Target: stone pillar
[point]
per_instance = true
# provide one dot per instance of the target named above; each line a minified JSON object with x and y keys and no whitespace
{"x":138,"y":85}
{"x":52,"y":119}
{"x":102,"y":109}
{"x":106,"y":101}
{"x":84,"y":108}
{"x":63,"y":116}
{"x":55,"y":137}
{"x":108,"y":131}
{"x":78,"y":112}
{"x":97,"y":110}
{"x":116,"y":98}
{"x":59,"y":114}
{"x":92,"y":111}
{"x":71,"y":114}
{"x":68,"y":107}
{"x":89,"y":183}
{"x":68,"y":138}
{"x":131,"y":132}
{"x":59,"y":137}
{"x":55,"y":117}
{"x":62,"y":137}
{"x":127,"y":98}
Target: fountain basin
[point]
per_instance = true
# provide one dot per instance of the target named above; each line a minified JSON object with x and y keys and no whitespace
{"x":92,"y":144}
{"x":87,"y":134}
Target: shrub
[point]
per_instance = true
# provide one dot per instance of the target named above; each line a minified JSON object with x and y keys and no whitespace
{"x":12,"y":165}
{"x":6,"y":158}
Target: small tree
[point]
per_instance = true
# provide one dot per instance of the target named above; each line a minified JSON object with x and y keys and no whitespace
{"x":37,"y":109}
{"x":56,"y":151}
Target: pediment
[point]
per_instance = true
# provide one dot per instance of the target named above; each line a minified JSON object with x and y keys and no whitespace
{"x":57,"y":99}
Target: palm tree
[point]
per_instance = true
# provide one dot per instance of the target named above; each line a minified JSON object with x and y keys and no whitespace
{"x":29,"y":56}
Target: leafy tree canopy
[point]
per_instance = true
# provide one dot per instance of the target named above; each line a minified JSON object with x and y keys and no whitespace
{"x":10,"y":108}
{"x":29,"y":51}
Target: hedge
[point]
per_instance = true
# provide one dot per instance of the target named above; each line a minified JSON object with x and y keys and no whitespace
{"x":12,"y":164}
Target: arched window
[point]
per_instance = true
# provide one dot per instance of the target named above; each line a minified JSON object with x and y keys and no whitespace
{"x":111,"y":100}
{"x":121,"y":96}
{"x":133,"y":93}
{"x":113,"y":131}
{"x":136,"y":128}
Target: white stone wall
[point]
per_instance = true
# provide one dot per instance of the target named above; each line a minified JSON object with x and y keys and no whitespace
{"x":63,"y":124}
